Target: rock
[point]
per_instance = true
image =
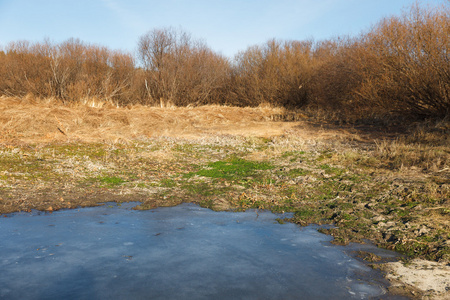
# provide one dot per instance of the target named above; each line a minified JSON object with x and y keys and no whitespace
{"x":378,"y":218}
{"x":370,"y":205}
{"x":418,"y":207}
{"x":391,"y":238}
{"x":390,"y":224}
{"x":422,"y":231}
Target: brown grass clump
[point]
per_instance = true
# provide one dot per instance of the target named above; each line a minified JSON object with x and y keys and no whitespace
{"x":32,"y":120}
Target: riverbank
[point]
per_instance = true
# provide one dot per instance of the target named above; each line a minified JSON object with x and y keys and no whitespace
{"x":385,"y":184}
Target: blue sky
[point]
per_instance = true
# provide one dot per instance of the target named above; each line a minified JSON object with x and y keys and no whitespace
{"x":226,"y":26}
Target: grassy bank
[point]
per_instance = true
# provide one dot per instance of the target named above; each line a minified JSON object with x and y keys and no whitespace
{"x":394,"y":192}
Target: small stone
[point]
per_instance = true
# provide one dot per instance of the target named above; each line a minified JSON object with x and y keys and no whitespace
{"x":379,"y":218}
{"x":423,"y":230}
{"x":390,"y":224}
{"x":371,"y":205}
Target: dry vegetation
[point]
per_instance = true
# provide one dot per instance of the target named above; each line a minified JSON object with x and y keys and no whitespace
{"x":400,"y":67}
{"x":31,"y":120}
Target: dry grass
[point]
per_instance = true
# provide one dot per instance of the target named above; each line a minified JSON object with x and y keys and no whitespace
{"x":31,"y":120}
{"x":399,"y":154}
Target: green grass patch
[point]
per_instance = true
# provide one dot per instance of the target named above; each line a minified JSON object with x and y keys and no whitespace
{"x":325,"y":155}
{"x":298,"y":172}
{"x":28,"y":168}
{"x":205,"y":189}
{"x":167,"y":183}
{"x":232,"y":169}
{"x":93,"y":151}
{"x":293,"y":155}
{"x":110,"y":181}
{"x":414,"y":249}
{"x":305,"y":213}
{"x":332,"y":170}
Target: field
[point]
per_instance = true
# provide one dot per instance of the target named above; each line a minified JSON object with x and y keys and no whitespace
{"x":384,"y":183}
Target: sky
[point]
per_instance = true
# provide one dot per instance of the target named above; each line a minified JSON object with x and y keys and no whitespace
{"x":226,"y":26}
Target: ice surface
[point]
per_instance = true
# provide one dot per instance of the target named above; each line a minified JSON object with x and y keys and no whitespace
{"x":183,"y":252}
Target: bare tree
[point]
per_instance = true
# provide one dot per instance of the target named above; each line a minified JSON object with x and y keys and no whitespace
{"x":178,"y":69}
{"x":156,"y":50}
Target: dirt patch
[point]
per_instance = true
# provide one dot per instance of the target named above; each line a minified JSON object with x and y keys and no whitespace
{"x":426,"y":279}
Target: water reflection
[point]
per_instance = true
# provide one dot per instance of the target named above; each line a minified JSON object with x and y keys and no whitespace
{"x":183,"y":252}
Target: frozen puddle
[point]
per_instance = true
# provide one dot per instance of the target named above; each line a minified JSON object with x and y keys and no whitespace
{"x":183,"y":252}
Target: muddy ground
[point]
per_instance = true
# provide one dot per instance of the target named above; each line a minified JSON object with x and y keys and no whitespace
{"x":384,"y":184}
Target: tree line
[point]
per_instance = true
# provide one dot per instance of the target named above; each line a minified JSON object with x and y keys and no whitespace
{"x":399,"y":66}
